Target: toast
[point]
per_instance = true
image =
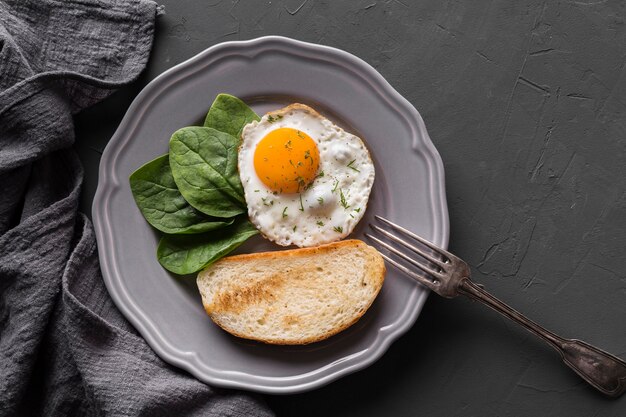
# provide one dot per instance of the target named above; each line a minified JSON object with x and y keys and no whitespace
{"x":292,"y":297}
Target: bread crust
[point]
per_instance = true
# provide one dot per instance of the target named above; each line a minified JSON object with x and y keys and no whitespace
{"x":377,"y":274}
{"x":296,"y":252}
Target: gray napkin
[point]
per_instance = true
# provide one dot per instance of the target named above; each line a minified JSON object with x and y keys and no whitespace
{"x":64,"y":347}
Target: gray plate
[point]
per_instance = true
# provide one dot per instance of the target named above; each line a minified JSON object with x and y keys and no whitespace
{"x":267,"y":73}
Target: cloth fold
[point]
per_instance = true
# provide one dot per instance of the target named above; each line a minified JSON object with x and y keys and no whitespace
{"x":64,"y":347}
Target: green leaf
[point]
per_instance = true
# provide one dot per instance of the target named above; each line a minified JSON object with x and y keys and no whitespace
{"x":191,"y":253}
{"x":204,"y":165}
{"x":229,"y":114}
{"x":163,"y":206}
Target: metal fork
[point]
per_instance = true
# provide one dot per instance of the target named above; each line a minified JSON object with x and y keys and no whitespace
{"x":449,"y":276}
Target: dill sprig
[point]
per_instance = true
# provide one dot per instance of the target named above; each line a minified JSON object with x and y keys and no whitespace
{"x":342,"y":200}
{"x":351,"y":166}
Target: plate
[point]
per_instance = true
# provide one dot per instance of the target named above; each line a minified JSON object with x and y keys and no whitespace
{"x":267,"y":73}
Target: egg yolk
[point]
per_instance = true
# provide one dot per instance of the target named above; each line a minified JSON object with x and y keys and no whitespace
{"x":286,"y":160}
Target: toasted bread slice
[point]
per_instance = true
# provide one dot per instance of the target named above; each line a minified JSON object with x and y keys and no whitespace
{"x":295,"y":296}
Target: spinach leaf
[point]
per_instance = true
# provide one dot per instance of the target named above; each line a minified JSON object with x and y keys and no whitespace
{"x":229,"y":114}
{"x":162,"y":204}
{"x":191,"y":253}
{"x":204,"y":165}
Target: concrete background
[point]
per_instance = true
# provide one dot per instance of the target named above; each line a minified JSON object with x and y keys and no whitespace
{"x":526,"y":102}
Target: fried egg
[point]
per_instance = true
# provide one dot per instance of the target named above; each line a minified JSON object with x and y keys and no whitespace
{"x":306,"y":181}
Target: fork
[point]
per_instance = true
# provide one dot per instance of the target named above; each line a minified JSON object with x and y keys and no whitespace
{"x":449,"y":276}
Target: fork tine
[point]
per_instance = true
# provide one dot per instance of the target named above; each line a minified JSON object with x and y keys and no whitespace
{"x":416,"y":237}
{"x":404,"y":256}
{"x":422,"y":280}
{"x":407,"y":245}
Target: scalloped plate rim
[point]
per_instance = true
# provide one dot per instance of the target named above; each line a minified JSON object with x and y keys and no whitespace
{"x":190,"y":361}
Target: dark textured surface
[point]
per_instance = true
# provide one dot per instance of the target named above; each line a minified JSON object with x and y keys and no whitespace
{"x":526,"y":102}
{"x":65,"y":349}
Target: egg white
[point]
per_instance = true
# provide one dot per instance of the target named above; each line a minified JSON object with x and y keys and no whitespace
{"x":332,"y":206}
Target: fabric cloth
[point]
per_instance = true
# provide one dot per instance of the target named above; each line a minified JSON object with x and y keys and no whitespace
{"x":64,"y":348}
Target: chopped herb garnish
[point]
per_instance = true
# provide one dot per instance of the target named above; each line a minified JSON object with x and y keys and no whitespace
{"x":335,"y":186}
{"x":338,"y":229}
{"x":299,"y":134}
{"x":307,"y":155}
{"x":320,"y":200}
{"x":351,"y":215}
{"x":320,"y":175}
{"x":301,"y":206}
{"x":343,"y":201}
{"x":300,"y":181}
{"x":358,"y":210}
{"x":256,"y":191}
{"x":352,"y":166}
{"x":288,"y":144}
{"x":320,"y":223}
{"x":294,"y":228}
{"x":264,"y":201}
{"x":285,"y":212}
{"x":292,"y":164}
{"x":272,"y":119}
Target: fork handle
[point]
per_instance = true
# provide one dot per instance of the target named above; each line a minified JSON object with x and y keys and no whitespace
{"x":605,"y":372}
